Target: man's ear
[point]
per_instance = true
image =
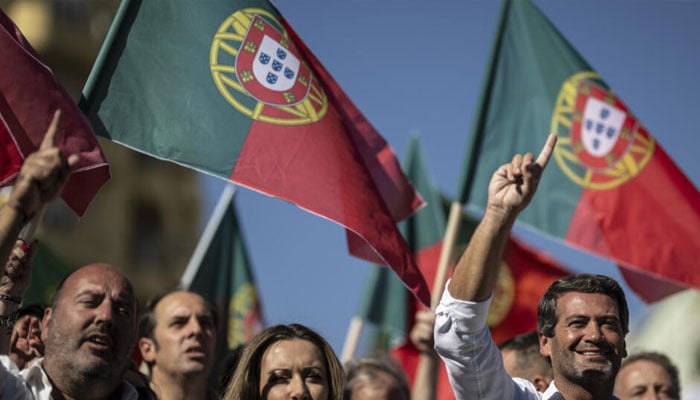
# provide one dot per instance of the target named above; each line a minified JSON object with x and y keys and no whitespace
{"x":540,"y":382}
{"x":48,"y":313}
{"x":544,"y":345}
{"x":148,"y":349}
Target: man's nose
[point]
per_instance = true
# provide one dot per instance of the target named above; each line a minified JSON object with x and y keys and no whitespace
{"x":593,"y":332}
{"x":105,"y":311}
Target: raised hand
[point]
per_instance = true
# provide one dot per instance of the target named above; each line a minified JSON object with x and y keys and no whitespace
{"x":43,"y":173}
{"x":25,"y":342}
{"x":513,"y":185}
{"x":422,"y":332}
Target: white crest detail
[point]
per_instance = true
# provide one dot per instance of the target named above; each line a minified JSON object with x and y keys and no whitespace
{"x":275,"y":67}
{"x":601,"y":126}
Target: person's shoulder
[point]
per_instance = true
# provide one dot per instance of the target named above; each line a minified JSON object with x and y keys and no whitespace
{"x":12,"y":385}
{"x":524,"y":389}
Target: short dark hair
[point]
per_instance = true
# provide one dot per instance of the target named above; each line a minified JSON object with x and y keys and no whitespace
{"x":583,"y":283}
{"x":661,"y":360}
{"x":147,"y":321}
{"x":34,"y":309}
{"x":528,"y":359}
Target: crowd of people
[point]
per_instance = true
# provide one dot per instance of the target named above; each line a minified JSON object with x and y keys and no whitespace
{"x":81,"y":346}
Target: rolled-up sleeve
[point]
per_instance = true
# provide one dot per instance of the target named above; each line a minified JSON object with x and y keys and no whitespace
{"x":473,"y":361}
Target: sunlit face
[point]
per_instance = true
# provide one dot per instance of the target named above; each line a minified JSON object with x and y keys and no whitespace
{"x":294,"y":369}
{"x":91,"y":330}
{"x":588,"y":343}
{"x":380,"y":386}
{"x":184,"y":334}
{"x":643,"y":380}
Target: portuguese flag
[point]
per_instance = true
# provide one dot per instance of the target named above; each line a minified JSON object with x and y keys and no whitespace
{"x":524,"y":277}
{"x":29,"y":96}
{"x":611,"y":189}
{"x":227,"y":88}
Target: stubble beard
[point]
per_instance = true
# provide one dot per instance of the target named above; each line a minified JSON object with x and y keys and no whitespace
{"x":78,"y":365}
{"x":583,"y":375}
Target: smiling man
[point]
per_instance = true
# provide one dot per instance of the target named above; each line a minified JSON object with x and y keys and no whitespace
{"x":177,"y":338}
{"x":582,"y":320}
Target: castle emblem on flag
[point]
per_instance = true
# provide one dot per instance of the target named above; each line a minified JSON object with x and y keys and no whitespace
{"x":601,"y":145}
{"x":260,"y":72}
{"x":268,"y":67}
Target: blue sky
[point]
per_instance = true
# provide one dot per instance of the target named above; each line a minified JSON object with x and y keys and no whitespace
{"x":415,"y":67}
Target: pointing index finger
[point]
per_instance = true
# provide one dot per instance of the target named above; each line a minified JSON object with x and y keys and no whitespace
{"x":547,"y":150}
{"x":53,"y":134}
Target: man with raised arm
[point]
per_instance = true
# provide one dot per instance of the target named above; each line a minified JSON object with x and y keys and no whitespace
{"x":582,"y":320}
{"x":89,"y":330}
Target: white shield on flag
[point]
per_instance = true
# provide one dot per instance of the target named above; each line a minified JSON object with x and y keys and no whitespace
{"x":275,"y":67}
{"x":601,"y":126}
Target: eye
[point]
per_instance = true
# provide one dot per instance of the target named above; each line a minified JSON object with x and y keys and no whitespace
{"x":278,"y":379}
{"x":612,"y":324}
{"x":124,"y":310}
{"x":315,"y":376}
{"x":577,"y":323}
{"x":206,"y":323}
{"x":90,"y":302}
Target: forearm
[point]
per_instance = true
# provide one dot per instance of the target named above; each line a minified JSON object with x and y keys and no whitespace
{"x":477,"y":270}
{"x":11,"y":223}
{"x":425,"y":382}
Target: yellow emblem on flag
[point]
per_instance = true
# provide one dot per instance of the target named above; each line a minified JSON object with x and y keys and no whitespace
{"x":601,"y":144}
{"x":260,"y":73}
{"x":242,"y":315}
{"x":503,"y":296}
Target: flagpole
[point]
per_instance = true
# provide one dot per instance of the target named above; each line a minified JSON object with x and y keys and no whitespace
{"x":208,"y":234}
{"x":448,"y":244}
{"x":428,"y":364}
{"x":352,"y":339}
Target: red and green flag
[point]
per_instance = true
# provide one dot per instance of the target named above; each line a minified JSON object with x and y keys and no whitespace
{"x":611,"y":189}
{"x":524,"y":276}
{"x":29,"y":96}
{"x":220,"y":271}
{"x":386,"y":303}
{"x":230,"y":89}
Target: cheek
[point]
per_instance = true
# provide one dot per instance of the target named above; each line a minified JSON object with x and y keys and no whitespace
{"x":319,"y":391}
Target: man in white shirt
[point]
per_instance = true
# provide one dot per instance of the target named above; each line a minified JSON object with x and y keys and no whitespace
{"x":90,"y":329}
{"x":582,"y":320}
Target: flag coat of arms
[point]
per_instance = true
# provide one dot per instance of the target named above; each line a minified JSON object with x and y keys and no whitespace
{"x":611,"y":188}
{"x":228,"y":88}
{"x":29,"y":96}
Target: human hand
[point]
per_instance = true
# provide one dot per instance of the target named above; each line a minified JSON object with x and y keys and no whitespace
{"x":25,"y":342}
{"x":43,"y":173}
{"x":422,"y":332}
{"x":513,"y":185}
{"x":18,"y":269}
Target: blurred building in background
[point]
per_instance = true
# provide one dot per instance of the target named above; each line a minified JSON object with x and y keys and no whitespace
{"x":145,"y":220}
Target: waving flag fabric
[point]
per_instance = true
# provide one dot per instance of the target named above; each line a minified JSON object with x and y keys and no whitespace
{"x":228,"y":88}
{"x":611,"y":188}
{"x":29,"y":96}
